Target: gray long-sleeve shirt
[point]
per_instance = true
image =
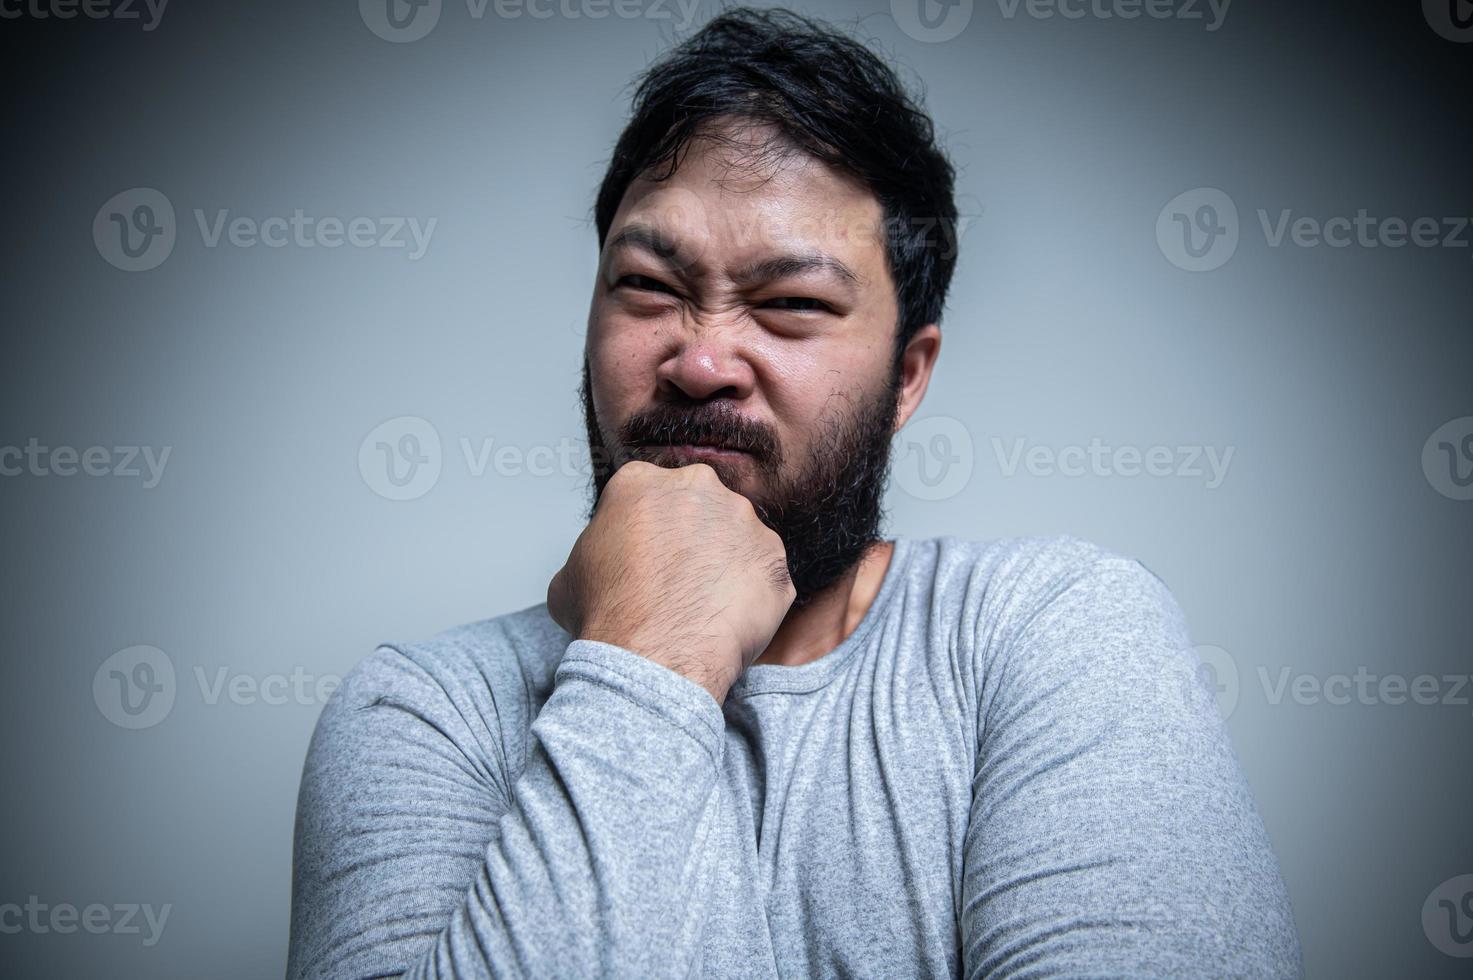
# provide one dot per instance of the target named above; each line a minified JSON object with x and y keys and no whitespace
{"x":1010,"y":768}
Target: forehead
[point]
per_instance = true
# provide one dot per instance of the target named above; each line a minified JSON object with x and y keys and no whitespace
{"x":741,"y":191}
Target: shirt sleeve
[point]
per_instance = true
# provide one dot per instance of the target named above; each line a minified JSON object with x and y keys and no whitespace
{"x":425,"y":848}
{"x":1111,"y":829}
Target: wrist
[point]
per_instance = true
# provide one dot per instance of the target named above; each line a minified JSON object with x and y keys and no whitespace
{"x":690,"y":657}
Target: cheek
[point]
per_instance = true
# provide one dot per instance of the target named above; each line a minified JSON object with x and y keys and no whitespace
{"x":797,"y":386}
{"x":810,"y":379}
{"x":818,"y":384}
{"x":622,"y":364}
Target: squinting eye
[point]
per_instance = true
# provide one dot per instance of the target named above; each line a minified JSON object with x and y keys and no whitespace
{"x":799,"y":303}
{"x":642,"y":282}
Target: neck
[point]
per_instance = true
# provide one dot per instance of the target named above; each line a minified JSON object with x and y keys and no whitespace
{"x":812,"y":630}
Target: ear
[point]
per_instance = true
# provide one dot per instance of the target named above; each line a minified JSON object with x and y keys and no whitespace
{"x":916,"y":362}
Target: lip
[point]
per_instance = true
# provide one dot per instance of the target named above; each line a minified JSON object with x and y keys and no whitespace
{"x":704,"y":452}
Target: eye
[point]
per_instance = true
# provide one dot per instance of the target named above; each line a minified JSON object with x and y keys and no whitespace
{"x":643,"y":283}
{"x":801,"y":304}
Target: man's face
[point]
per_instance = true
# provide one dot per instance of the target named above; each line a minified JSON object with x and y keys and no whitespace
{"x":744,"y":316}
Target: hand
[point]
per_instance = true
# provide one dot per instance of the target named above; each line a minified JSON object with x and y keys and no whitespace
{"x":679,"y":569}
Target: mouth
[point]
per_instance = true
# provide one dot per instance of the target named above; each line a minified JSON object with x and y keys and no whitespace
{"x":696,"y":451}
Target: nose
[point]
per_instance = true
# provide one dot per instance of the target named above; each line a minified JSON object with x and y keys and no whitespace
{"x":705,"y":367}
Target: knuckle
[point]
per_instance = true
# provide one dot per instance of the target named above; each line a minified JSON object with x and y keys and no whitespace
{"x":743,"y":506}
{"x":632,"y":470}
{"x":777,"y":574}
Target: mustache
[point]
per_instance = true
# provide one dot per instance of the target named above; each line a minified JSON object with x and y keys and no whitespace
{"x":699,"y":425}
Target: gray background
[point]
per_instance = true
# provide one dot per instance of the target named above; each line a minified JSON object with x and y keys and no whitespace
{"x":265,"y":549}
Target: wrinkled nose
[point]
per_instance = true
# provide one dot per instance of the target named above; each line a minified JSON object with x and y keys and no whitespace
{"x":705,"y":367}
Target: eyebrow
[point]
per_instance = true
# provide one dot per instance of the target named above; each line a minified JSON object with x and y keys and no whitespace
{"x":781,"y":266}
{"x":645,"y":237}
{"x":795,"y":264}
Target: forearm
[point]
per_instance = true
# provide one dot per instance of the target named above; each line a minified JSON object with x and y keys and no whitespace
{"x":595,"y":869}
{"x":590,"y":865}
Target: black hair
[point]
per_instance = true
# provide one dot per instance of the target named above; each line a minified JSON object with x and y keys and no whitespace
{"x":828,"y":96}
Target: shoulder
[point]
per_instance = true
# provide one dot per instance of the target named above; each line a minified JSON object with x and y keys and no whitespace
{"x":479,"y":683}
{"x":1043,"y":598}
{"x":1012,"y":577}
{"x":522,"y":645}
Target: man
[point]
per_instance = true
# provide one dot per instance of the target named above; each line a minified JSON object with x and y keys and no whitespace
{"x":746,"y":736}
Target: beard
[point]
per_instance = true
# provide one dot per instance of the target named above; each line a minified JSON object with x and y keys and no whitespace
{"x":828,"y":512}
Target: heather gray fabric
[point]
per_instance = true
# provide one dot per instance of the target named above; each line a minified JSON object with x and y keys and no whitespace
{"x":1009,"y":769}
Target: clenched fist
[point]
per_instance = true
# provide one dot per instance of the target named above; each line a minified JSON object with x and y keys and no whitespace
{"x":679,"y":569}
